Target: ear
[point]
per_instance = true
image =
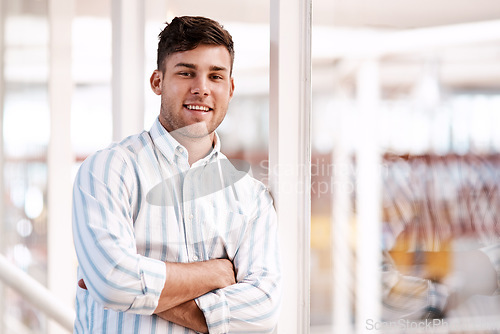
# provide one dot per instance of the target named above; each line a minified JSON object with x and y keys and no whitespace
{"x":155,"y":81}
{"x":231,"y":88}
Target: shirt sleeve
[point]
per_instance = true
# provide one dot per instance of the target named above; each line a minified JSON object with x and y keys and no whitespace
{"x":251,"y":305}
{"x":115,"y":275}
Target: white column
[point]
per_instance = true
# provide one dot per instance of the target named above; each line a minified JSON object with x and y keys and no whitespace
{"x":341,"y":227}
{"x":128,"y":67}
{"x":2,"y":190}
{"x":290,"y":153}
{"x":60,"y":159}
{"x":368,"y":232}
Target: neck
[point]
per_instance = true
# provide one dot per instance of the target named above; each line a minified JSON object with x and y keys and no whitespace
{"x":197,"y":148}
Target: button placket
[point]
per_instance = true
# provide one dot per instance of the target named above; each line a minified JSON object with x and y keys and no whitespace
{"x":189,"y":219}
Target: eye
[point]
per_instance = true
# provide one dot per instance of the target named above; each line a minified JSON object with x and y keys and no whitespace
{"x":217,"y":77}
{"x":184,"y":74}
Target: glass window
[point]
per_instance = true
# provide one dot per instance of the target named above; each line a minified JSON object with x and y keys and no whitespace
{"x":436,"y":111}
{"x":26,"y":131}
{"x":91,"y":110}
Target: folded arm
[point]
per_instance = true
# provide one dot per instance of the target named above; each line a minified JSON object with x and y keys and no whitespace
{"x":121,"y":279}
{"x":251,"y":305}
{"x":115,"y":274}
{"x":188,"y":315}
{"x":186,"y":281}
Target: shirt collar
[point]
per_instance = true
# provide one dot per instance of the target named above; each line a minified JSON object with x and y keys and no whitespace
{"x":170,"y":147}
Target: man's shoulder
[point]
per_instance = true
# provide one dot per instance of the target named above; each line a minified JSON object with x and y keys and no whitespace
{"x":123,"y":152}
{"x":134,"y":144}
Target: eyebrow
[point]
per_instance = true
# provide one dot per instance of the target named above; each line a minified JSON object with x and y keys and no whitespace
{"x":192,"y":66}
{"x":214,"y":68}
{"x":217,"y":68}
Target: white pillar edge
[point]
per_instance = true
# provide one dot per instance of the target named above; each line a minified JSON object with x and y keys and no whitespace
{"x":290,"y":154}
{"x":368,"y":197}
{"x":341,"y":252}
{"x":128,"y":67}
{"x":2,"y":158}
{"x":61,"y":273}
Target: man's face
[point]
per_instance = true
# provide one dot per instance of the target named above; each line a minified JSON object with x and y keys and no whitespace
{"x":195,"y":88}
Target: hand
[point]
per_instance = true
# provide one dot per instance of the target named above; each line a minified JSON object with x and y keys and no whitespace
{"x":187,"y":315}
{"x":226,"y":275}
{"x":187,"y":281}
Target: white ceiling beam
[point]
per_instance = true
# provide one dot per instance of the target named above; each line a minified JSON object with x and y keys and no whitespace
{"x":370,"y":43}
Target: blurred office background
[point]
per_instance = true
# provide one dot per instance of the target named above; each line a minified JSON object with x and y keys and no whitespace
{"x":426,"y":72}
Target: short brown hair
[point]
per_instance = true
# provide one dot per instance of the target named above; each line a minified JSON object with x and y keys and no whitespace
{"x":187,"y":32}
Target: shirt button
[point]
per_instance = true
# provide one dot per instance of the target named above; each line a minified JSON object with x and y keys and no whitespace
{"x":180,"y":149}
{"x":194,"y":258}
{"x":191,"y":217}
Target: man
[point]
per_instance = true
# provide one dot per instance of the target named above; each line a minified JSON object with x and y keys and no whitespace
{"x":170,"y":237}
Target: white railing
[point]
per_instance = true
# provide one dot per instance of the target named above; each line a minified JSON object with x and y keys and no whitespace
{"x":36,"y":293}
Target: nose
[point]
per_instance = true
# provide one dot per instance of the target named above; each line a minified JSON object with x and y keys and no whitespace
{"x":200,"y":86}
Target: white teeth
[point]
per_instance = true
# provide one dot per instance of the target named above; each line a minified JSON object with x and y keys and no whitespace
{"x":202,"y":108}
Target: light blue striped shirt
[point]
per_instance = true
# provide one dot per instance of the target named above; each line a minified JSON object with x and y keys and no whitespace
{"x":139,"y":203}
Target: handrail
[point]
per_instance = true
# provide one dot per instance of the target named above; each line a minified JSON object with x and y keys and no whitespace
{"x":36,"y":293}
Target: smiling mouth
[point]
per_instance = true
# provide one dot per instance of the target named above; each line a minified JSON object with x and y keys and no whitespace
{"x":197,"y":108}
